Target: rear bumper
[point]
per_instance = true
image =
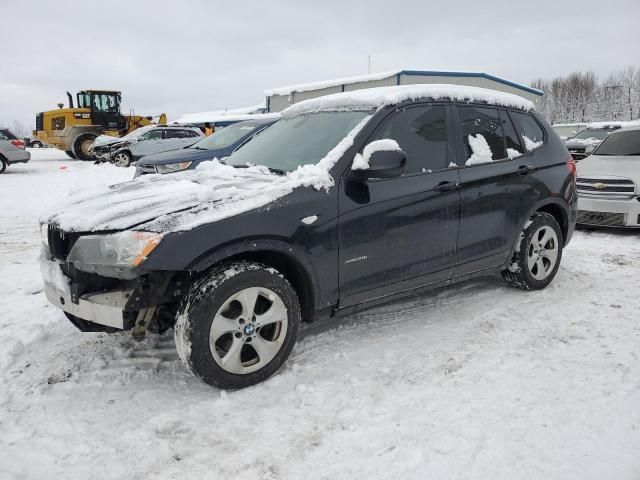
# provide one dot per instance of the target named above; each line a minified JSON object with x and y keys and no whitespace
{"x":609,"y":212}
{"x":17,"y":156}
{"x":104,"y":308}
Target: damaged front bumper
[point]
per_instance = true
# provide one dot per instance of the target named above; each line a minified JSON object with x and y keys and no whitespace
{"x":104,"y":308}
{"x":118,"y":304}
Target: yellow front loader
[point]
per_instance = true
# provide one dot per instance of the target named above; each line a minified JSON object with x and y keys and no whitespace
{"x":74,"y":129}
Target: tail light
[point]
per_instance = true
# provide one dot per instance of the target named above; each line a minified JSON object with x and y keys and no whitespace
{"x":18,"y":143}
{"x":571,"y":165}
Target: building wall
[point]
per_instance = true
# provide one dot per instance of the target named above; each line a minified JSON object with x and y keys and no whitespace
{"x":277,"y":103}
{"x":470,"y":81}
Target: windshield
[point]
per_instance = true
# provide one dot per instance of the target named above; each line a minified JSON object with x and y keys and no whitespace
{"x":225,"y":137}
{"x":295,"y":141}
{"x":621,"y":143}
{"x":597,"y":133}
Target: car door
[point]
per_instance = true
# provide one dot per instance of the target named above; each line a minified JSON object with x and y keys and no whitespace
{"x":395,"y":232}
{"x":498,"y":188}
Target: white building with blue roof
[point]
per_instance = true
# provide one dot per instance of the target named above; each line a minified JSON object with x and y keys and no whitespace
{"x":277,"y":99}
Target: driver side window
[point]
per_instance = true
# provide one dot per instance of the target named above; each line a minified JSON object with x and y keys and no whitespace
{"x":151,"y":135}
{"x":421,"y":132}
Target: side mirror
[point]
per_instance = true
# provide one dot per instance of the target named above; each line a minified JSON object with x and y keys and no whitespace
{"x":379,"y":159}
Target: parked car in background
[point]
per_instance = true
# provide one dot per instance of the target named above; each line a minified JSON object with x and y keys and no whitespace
{"x":144,"y":141}
{"x":609,"y":182}
{"x":12,"y":150}
{"x":34,"y":143}
{"x":568,"y":130}
{"x":585,"y":142}
{"x":219,"y":145}
{"x":349,"y":200}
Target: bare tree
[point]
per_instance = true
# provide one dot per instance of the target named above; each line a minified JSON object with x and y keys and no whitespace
{"x":19,"y":129}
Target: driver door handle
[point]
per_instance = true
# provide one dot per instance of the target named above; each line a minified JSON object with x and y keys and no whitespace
{"x":446,"y":186}
{"x":525,"y":169}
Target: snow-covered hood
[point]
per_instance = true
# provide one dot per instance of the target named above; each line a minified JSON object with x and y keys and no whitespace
{"x":603,"y":166}
{"x":173,"y":202}
{"x":103,"y":140}
{"x":582,"y":142}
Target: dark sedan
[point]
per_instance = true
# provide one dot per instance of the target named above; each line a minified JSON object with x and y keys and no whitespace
{"x":219,"y":145}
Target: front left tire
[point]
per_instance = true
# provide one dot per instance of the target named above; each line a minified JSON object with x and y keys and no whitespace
{"x":237,"y":325}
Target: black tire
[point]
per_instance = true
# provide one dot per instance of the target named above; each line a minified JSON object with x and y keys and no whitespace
{"x":70,"y":154}
{"x":79,"y":147}
{"x":36,"y":144}
{"x":122,"y":158}
{"x":3,"y":164}
{"x":519,"y":274}
{"x":203,"y":305}
{"x":86,"y":326}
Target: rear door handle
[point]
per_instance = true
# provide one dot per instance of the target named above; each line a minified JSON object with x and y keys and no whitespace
{"x":525,"y":169}
{"x":446,"y":186}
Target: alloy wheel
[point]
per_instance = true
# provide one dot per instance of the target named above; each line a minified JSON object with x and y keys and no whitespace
{"x":248,"y":330}
{"x":542,"y":253}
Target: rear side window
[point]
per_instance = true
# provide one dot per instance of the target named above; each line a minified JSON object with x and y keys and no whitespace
{"x":482,"y":135}
{"x":421,"y":132}
{"x":512,"y":142}
{"x":529,"y":129}
{"x":175,"y":133}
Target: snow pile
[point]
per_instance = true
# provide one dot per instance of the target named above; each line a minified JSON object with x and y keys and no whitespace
{"x":531,"y":144}
{"x":481,"y":150}
{"x":186,"y":200}
{"x":372,"y":98}
{"x":361,"y":162}
{"x":581,"y":142}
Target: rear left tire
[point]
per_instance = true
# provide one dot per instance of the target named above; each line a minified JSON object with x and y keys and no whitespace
{"x":538,"y":253}
{"x":237,"y":325}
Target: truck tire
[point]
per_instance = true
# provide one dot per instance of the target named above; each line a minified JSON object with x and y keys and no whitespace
{"x":536,"y":259}
{"x":237,"y":325}
{"x":81,"y":146}
{"x":70,"y":154}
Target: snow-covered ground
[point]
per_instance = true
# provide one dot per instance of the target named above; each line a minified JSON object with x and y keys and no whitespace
{"x":478,"y":381}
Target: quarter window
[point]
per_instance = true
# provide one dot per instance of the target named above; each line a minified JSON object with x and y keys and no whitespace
{"x":529,"y":129}
{"x":421,"y":133}
{"x":482,"y":135}
{"x":512,"y":142}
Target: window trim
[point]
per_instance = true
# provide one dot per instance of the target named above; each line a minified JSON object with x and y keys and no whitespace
{"x":448,"y":119}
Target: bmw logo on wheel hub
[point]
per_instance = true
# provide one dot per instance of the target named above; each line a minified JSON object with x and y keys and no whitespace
{"x":249,"y":329}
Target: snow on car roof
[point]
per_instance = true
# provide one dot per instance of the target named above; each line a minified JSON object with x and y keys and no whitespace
{"x":613,"y":124}
{"x":371,"y":98}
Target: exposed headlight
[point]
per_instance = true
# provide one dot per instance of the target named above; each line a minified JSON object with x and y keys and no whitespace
{"x":114,"y":255}
{"x":172,"y":167}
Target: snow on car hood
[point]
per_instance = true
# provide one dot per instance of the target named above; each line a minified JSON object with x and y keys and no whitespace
{"x":605,"y":166}
{"x":102,"y":140}
{"x":217,"y":188}
{"x":182,"y":201}
{"x":582,"y":142}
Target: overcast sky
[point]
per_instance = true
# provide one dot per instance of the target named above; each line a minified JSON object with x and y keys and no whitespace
{"x":185,"y":56}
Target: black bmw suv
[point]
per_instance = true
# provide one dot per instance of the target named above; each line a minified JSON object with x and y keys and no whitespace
{"x":351,"y":199}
